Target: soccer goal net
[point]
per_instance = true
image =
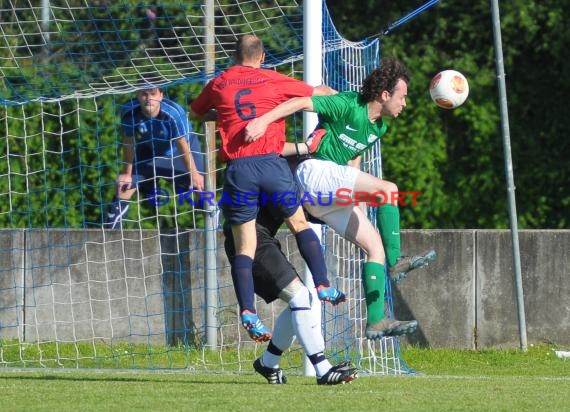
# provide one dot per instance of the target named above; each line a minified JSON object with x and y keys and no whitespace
{"x":155,"y":293}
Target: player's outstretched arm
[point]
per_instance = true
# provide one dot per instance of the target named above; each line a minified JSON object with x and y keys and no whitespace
{"x":257,"y":127}
{"x":197,"y":178}
{"x":124,"y":180}
{"x":304,"y":148}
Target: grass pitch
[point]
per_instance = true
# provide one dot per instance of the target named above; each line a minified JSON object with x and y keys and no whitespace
{"x":447,"y":380}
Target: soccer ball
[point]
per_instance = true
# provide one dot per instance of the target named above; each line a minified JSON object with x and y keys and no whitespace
{"x":449,"y":89}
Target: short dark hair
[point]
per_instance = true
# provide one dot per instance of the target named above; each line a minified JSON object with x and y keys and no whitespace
{"x":248,"y":47}
{"x":383,"y":78}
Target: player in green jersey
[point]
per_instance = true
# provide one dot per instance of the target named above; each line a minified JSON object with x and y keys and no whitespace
{"x":354,"y":122}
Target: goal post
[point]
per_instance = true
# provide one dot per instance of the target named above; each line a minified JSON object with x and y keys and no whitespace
{"x":157,"y":293}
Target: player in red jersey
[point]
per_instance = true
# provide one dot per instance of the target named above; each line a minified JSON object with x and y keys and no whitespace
{"x":255,"y":174}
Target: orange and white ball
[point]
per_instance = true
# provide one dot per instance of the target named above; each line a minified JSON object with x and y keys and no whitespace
{"x":449,"y":89}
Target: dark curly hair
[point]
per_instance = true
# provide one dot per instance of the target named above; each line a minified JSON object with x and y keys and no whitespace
{"x":383,"y":78}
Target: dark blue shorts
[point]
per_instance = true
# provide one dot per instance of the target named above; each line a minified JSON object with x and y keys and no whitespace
{"x":148,"y":168}
{"x":255,"y":181}
{"x":147,"y":172}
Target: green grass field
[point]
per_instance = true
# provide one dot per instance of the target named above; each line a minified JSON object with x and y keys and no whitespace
{"x":448,"y":380}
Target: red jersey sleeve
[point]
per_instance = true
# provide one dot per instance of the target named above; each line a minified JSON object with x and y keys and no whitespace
{"x":204,"y":102}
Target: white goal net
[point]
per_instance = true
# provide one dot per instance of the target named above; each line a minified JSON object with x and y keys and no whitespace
{"x":157,"y":293}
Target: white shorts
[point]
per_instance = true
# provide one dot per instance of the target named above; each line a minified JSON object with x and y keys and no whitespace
{"x":320,"y":180}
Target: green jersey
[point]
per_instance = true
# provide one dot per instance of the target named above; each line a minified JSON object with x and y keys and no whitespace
{"x":349,"y":132}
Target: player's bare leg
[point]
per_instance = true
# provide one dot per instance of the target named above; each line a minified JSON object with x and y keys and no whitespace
{"x":245,"y":238}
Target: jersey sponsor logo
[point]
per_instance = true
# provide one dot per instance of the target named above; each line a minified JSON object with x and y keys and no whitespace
{"x":349,"y":142}
{"x":241,"y":82}
{"x":155,"y":129}
{"x":142,"y":128}
{"x":351,"y":129}
{"x":372,"y":138}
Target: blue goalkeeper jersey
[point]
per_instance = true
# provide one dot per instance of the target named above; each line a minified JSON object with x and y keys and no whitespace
{"x":156,"y":137}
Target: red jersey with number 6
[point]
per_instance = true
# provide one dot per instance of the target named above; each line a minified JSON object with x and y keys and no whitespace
{"x":241,"y":94}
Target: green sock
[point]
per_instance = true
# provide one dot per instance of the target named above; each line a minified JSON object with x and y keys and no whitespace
{"x":374,"y":284}
{"x":388,"y":223}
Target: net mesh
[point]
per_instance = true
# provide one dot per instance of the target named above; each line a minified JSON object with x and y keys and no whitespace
{"x":74,"y":295}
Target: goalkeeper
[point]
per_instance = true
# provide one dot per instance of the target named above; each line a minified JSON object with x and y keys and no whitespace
{"x":274,"y":277}
{"x":354,"y":122}
{"x":158,"y":142}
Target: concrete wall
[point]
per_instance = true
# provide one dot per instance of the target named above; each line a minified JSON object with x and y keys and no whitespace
{"x":467,"y":298}
{"x":84,"y":285}
{"x":11,"y":283}
{"x":92,"y":284}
